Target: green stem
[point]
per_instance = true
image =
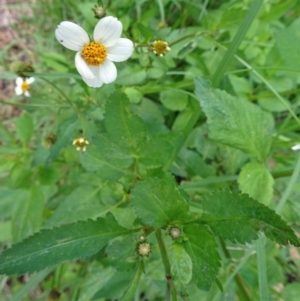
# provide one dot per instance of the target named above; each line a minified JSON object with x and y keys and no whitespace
{"x":249,"y":18}
{"x":163,"y":251}
{"x":238,"y":278}
{"x":262,"y":268}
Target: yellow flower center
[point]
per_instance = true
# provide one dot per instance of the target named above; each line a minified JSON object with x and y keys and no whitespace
{"x":24,"y":86}
{"x":80,"y":143}
{"x":160,"y":47}
{"x":94,"y":53}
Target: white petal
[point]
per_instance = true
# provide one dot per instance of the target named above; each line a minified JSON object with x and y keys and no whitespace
{"x":29,"y":80}
{"x":107,"y":31}
{"x":94,"y":83}
{"x":71,"y":35}
{"x":120,"y":51}
{"x":27,"y":94}
{"x":18,"y":90}
{"x":107,"y":72}
{"x":19,"y":81}
{"x":82,"y":67}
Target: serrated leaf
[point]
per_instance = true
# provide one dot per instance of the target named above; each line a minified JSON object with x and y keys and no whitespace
{"x":28,"y":213}
{"x":256,"y":180}
{"x":238,"y":217}
{"x":235,"y":122}
{"x":123,"y":127}
{"x":202,"y":249}
{"x":158,"y":202}
{"x":181,"y":264}
{"x":51,"y":247}
{"x":24,"y":128}
{"x":106,"y":156}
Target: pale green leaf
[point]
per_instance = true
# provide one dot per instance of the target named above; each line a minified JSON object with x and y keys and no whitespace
{"x":173,"y":99}
{"x":83,"y":203}
{"x":24,"y":128}
{"x":123,"y":127}
{"x":51,"y":247}
{"x":28,"y":214}
{"x":235,"y":122}
{"x":158,"y":203}
{"x":181,"y":264}
{"x":202,"y":250}
{"x":107,"y":157}
{"x":256,"y":180}
{"x":238,"y":217}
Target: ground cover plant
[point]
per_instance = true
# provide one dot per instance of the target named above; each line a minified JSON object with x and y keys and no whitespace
{"x":153,"y":151}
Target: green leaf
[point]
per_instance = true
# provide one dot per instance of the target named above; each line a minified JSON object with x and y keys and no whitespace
{"x":107,"y":157}
{"x":28,"y":214}
{"x":51,"y":247}
{"x":64,"y":137}
{"x":181,"y":264}
{"x":201,"y":247}
{"x":156,"y":152}
{"x":287,"y":42}
{"x":81,"y":204}
{"x":235,"y":122}
{"x":158,"y":202}
{"x":121,"y":253}
{"x":174,"y":99}
{"x":9,"y":198}
{"x":238,"y":217}
{"x":123,"y":127}
{"x":24,"y":128}
{"x":256,"y":180}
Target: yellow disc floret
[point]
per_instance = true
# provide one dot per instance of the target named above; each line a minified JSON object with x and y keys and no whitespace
{"x":24,"y":86}
{"x":80,"y":143}
{"x":160,"y":47}
{"x":94,"y":53}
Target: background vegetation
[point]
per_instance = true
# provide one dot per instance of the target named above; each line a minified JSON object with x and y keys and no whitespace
{"x":219,"y":112}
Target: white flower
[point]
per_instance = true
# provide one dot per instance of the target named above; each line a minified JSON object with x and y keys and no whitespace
{"x":296,"y":147}
{"x":94,"y":59}
{"x":23,"y":85}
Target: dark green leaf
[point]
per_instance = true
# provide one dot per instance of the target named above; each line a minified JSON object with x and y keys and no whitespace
{"x":158,"y":202}
{"x":201,"y":247}
{"x":51,"y":247}
{"x":235,"y":122}
{"x":238,"y":217}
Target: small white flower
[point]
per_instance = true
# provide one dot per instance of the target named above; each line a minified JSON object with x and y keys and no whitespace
{"x":23,"y":85}
{"x":94,"y":59}
{"x":160,"y":47}
{"x":296,"y":147}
